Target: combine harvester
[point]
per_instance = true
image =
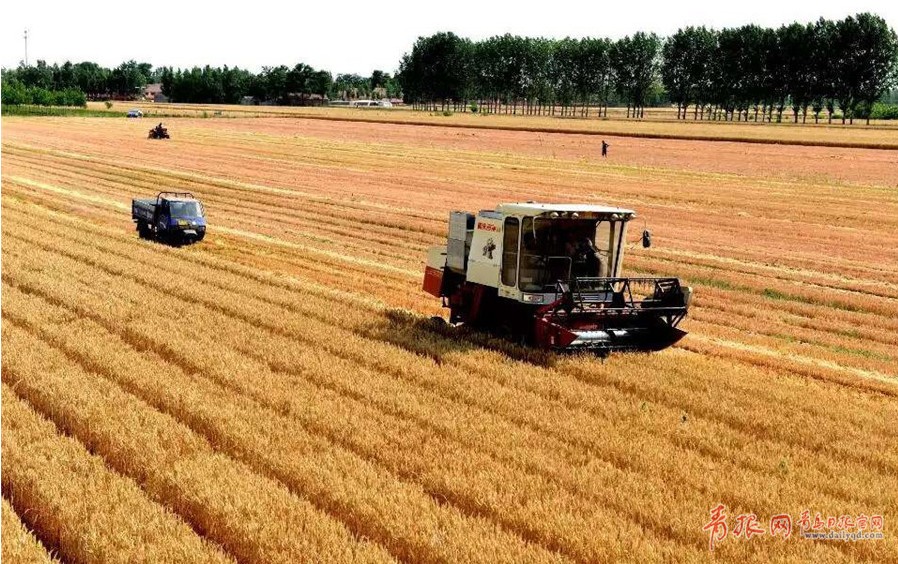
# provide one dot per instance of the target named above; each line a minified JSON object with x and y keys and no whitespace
{"x":549,"y":274}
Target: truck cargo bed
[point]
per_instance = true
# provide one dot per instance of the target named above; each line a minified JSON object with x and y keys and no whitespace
{"x":144,"y":209}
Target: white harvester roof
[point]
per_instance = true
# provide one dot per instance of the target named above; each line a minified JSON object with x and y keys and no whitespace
{"x":535,"y":208}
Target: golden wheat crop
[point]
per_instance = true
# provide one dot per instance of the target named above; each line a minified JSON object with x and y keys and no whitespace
{"x":19,"y":544}
{"x":278,"y":389}
{"x":78,"y":505}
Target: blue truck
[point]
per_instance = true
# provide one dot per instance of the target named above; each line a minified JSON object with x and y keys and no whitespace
{"x":176,"y":217}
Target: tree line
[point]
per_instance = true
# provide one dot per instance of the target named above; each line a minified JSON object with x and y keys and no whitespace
{"x":280,"y":84}
{"x":209,"y":85}
{"x":743,"y":73}
{"x":95,"y":81}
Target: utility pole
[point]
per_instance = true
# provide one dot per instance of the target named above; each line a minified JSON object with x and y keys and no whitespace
{"x":26,"y":47}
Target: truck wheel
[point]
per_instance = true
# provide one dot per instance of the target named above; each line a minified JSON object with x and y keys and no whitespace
{"x":143,"y":230}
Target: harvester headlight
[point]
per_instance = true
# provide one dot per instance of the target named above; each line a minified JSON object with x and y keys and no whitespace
{"x":575,"y":215}
{"x":533,"y":298}
{"x":554,"y":215}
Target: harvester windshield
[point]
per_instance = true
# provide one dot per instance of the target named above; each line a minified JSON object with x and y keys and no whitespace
{"x":555,"y":249}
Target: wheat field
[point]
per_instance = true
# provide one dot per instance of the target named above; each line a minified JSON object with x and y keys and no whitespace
{"x":659,"y":123}
{"x":277,"y":392}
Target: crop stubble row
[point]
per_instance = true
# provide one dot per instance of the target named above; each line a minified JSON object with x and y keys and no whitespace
{"x":423,"y":402}
{"x":839,"y":348}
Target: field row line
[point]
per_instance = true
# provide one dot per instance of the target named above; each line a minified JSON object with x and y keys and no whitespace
{"x":456,"y":491}
{"x":479,"y":189}
{"x":342,"y":339}
{"x":842,"y":354}
{"x":211,"y":180}
{"x":805,"y":300}
{"x":402,"y":516}
{"x":606,"y":132}
{"x":227,"y":230}
{"x":19,"y":543}
{"x":736,"y":266}
{"x":117,"y":181}
{"x":306,"y":310}
{"x":480,"y":466}
{"x":46,"y":474}
{"x":221,"y":498}
{"x":198,"y":255}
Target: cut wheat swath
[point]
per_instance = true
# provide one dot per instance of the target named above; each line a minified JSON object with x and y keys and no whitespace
{"x":279,"y":391}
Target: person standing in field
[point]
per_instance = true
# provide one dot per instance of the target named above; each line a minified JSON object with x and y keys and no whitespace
{"x":605,"y":148}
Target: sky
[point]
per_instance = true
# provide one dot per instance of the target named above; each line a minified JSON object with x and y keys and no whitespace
{"x":352,"y":36}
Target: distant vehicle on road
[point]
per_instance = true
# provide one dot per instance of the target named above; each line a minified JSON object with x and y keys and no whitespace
{"x":371,"y":104}
{"x":135,"y":113}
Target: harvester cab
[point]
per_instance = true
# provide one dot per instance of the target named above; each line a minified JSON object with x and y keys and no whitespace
{"x":549,"y":274}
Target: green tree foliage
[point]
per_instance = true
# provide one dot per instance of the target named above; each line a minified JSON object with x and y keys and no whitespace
{"x":507,"y":73}
{"x":129,"y":77}
{"x":321,"y":82}
{"x":37,"y":76}
{"x":91,"y":78}
{"x":636,"y":64}
{"x":438,"y":69}
{"x":45,"y":90}
{"x":378,"y":79}
{"x":349,"y":86}
{"x":742,"y":73}
{"x":867,"y":58}
{"x":796,"y":44}
{"x":14,"y":92}
{"x":687,"y":67}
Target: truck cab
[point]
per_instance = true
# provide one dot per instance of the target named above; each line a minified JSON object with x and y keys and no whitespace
{"x":175,"y":216}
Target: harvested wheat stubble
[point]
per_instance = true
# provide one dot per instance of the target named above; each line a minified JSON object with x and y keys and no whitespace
{"x":293,"y":341}
{"x":173,"y":342}
{"x":880,"y":136}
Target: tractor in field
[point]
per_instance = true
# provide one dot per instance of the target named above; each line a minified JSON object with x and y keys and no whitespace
{"x":159,"y":132}
{"x":174,"y":217}
{"x":549,"y":275}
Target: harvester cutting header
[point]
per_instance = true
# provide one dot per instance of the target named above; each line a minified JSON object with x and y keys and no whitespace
{"x":549,"y":274}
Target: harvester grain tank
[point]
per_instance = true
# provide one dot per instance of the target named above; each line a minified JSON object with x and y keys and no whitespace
{"x":549,"y":274}
{"x":176,"y":217}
